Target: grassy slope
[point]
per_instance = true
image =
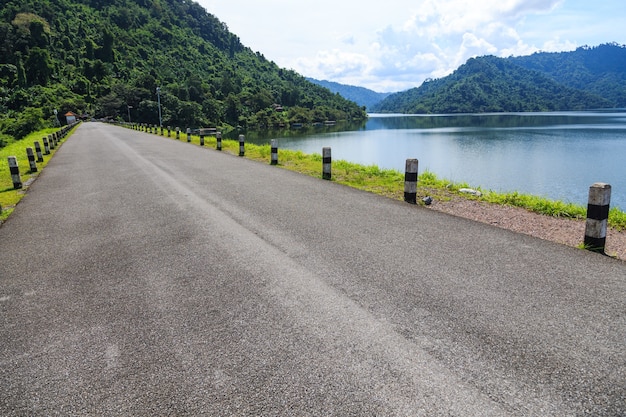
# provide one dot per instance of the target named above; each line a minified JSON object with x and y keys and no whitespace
{"x":9,"y":197}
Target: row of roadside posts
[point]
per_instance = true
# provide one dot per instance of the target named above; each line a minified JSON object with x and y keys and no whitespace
{"x":597,"y":207}
{"x":50,"y":142}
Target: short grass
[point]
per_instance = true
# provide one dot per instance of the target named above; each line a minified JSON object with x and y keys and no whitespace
{"x":9,"y":196}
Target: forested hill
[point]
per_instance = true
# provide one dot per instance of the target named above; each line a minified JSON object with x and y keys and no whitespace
{"x":599,"y":70}
{"x":106,"y":58}
{"x":588,"y":78}
{"x":360,"y":95}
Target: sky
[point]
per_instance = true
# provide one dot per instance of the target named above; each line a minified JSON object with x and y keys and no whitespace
{"x":394,"y":45}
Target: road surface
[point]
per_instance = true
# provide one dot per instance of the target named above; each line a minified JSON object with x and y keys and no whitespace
{"x":142,"y":275}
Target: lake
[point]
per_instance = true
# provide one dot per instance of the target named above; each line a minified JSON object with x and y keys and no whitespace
{"x":553,"y":155}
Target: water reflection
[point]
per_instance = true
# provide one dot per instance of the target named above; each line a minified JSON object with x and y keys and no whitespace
{"x":556,"y":155}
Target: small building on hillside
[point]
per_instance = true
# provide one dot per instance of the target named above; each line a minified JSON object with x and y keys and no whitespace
{"x":70,"y":117}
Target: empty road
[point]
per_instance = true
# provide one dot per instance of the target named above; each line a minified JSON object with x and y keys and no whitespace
{"x":144,"y":276}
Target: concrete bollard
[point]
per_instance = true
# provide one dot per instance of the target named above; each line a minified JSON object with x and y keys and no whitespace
{"x":410,"y":181}
{"x":242,"y":145}
{"x":31,"y":159}
{"x":326,"y":163}
{"x":188,"y":134}
{"x":178,"y":133}
{"x":597,"y":216}
{"x":161,"y":130}
{"x":51,"y":140}
{"x":46,"y":146}
{"x":15,"y":172}
{"x":218,"y":138}
{"x":201,"y":138}
{"x":38,"y":152}
{"x":274,"y":147}
{"x":169,"y":130}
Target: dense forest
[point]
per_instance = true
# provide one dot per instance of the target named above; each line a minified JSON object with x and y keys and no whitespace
{"x":106,"y":59}
{"x":600,"y":70}
{"x":588,"y":78}
{"x":360,"y":95}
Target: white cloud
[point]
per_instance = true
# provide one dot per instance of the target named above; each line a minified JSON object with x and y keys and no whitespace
{"x":397,"y":44}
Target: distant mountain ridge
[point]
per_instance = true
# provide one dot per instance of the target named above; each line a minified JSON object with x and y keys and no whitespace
{"x":588,"y":78}
{"x":360,"y":95}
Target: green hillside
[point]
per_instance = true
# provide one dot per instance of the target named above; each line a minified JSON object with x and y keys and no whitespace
{"x":106,"y":58}
{"x":360,"y":95}
{"x":600,"y":70}
{"x":490,"y":84}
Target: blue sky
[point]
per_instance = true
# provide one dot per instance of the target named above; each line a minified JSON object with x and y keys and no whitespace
{"x":393,"y":45}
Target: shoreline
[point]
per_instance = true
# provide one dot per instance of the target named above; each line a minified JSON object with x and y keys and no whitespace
{"x":446,"y":197}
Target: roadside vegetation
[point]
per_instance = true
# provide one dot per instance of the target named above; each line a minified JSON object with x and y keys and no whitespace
{"x":371,"y":178}
{"x":9,"y":196}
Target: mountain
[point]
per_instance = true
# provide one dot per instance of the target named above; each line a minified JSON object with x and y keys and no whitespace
{"x":106,"y":58}
{"x":360,"y":95}
{"x":588,"y":78}
{"x":599,"y":70}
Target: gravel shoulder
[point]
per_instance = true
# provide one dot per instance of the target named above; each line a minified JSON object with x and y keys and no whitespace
{"x":570,"y":232}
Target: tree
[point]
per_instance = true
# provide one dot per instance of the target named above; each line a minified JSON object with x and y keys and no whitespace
{"x":38,"y":67}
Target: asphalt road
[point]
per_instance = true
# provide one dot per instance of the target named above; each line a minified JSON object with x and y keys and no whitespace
{"x":145,"y":276}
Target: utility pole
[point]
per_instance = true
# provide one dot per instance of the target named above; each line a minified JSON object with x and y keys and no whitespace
{"x":158,"y":91}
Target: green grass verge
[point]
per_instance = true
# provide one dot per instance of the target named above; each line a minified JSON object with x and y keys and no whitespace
{"x":9,"y":196}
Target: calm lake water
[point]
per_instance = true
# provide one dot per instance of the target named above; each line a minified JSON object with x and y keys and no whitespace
{"x":554,"y":155}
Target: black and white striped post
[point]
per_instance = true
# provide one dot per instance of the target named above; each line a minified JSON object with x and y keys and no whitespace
{"x":178,"y":133}
{"x":38,"y":152}
{"x":326,"y":163}
{"x":46,"y":146}
{"x":31,"y":159}
{"x":188,"y":134}
{"x":51,"y":139}
{"x":242,"y":145}
{"x":15,"y":172}
{"x":201,"y":137}
{"x":169,"y":131}
{"x":161,"y":130}
{"x":410,"y":181}
{"x":597,"y":216}
{"x":218,"y":139}
{"x":274,"y":147}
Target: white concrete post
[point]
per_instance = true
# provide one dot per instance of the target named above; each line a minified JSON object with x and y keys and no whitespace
{"x":38,"y":152}
{"x":410,"y":181}
{"x":31,"y":159}
{"x":46,"y":145}
{"x":15,"y":172}
{"x":242,"y":145}
{"x":326,"y":163}
{"x":597,"y":216}
{"x":274,"y":151}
